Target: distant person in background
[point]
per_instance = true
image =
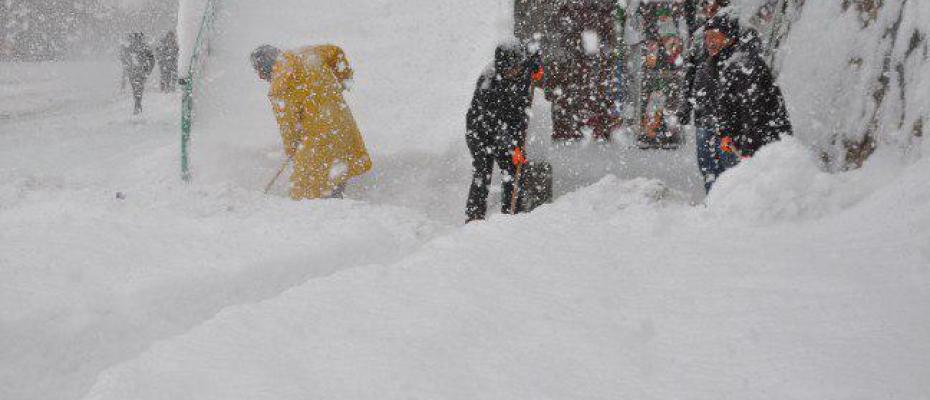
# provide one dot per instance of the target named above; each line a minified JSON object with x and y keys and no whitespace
{"x":138,"y":62}
{"x":749,"y":109}
{"x":318,"y":130}
{"x":580,"y":82}
{"x":662,"y":80}
{"x":167,"y":52}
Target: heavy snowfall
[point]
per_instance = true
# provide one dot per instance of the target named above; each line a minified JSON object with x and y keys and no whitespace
{"x":803,"y":274}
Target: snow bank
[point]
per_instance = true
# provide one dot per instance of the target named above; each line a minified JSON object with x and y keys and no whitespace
{"x":601,"y":295}
{"x":103,"y":250}
{"x":94,"y":277}
{"x":780,"y":288}
{"x":785,"y":182}
{"x":782,"y":182}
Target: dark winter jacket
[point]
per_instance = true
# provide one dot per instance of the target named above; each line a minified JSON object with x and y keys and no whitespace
{"x":497,"y":117}
{"x":695,"y":60}
{"x":168,"y":53}
{"x":750,"y":107}
{"x":138,"y":60}
{"x":699,"y":90}
{"x":703,"y":94}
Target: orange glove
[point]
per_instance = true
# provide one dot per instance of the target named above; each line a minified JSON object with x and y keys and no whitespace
{"x":518,"y":158}
{"x":538,"y":74}
{"x":726,"y":145}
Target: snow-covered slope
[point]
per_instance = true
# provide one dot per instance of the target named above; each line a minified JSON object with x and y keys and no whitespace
{"x":103,"y":250}
{"x":790,"y":283}
{"x":618,"y":290}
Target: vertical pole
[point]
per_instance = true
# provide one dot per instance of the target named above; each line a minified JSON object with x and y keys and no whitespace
{"x":186,"y":119}
{"x":635,"y":63}
{"x":620,"y":52}
{"x":187,"y":99}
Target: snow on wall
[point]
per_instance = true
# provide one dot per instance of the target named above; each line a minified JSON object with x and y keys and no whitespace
{"x":856,"y":75}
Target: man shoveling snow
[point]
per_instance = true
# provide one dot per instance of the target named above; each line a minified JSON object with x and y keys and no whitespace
{"x":318,"y":130}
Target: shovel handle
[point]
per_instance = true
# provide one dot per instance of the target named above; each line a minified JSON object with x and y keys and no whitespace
{"x":515,"y":193}
{"x":278,"y":175}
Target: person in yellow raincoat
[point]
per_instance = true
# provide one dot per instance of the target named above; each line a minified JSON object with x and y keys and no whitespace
{"x":317,"y":127}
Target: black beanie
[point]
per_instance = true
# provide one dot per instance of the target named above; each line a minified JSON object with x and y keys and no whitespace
{"x":719,"y":3}
{"x":724,"y":24}
{"x":509,"y":55}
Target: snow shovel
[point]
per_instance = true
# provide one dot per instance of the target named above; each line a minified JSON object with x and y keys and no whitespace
{"x":278,"y":175}
{"x":518,"y":160}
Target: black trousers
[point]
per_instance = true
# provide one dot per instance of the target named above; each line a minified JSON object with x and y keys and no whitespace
{"x":138,"y":87}
{"x":484,"y":155}
{"x":169,"y":80}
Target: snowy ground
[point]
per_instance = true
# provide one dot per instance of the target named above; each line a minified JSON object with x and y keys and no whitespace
{"x":90,"y":279}
{"x":790,"y":283}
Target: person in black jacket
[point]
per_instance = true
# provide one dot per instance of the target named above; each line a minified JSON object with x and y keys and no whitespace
{"x":167,"y":52}
{"x":496,"y":123}
{"x":696,"y":54}
{"x":138,"y":62}
{"x":699,"y":93}
{"x":750,"y":107}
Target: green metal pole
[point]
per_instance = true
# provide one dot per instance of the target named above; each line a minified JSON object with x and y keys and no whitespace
{"x":187,"y":99}
{"x":187,"y":105}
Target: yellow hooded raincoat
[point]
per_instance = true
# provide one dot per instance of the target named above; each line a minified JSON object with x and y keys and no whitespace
{"x":316,"y":124}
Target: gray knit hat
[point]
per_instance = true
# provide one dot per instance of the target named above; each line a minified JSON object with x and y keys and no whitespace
{"x":263,"y":59}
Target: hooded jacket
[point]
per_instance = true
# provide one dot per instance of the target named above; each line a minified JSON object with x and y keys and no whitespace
{"x":750,"y":107}
{"x":497,"y":117}
{"x":137,"y":58}
{"x":317,"y":127}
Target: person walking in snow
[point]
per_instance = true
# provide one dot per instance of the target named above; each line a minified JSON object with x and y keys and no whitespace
{"x":317,"y":128}
{"x":167,"y":52}
{"x":748,"y":108}
{"x":496,"y":124}
{"x":138,"y":62}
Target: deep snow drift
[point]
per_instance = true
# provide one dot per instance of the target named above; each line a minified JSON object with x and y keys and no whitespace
{"x":790,"y":283}
{"x":103,"y":250}
{"x":617,"y":290}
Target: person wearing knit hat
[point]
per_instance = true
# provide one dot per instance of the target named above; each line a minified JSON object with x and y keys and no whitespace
{"x":320,"y":136}
{"x":696,"y":55}
{"x":699,"y":91}
{"x":496,"y":124}
{"x":263,"y":59}
{"x":720,"y":32}
{"x":748,"y":109}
